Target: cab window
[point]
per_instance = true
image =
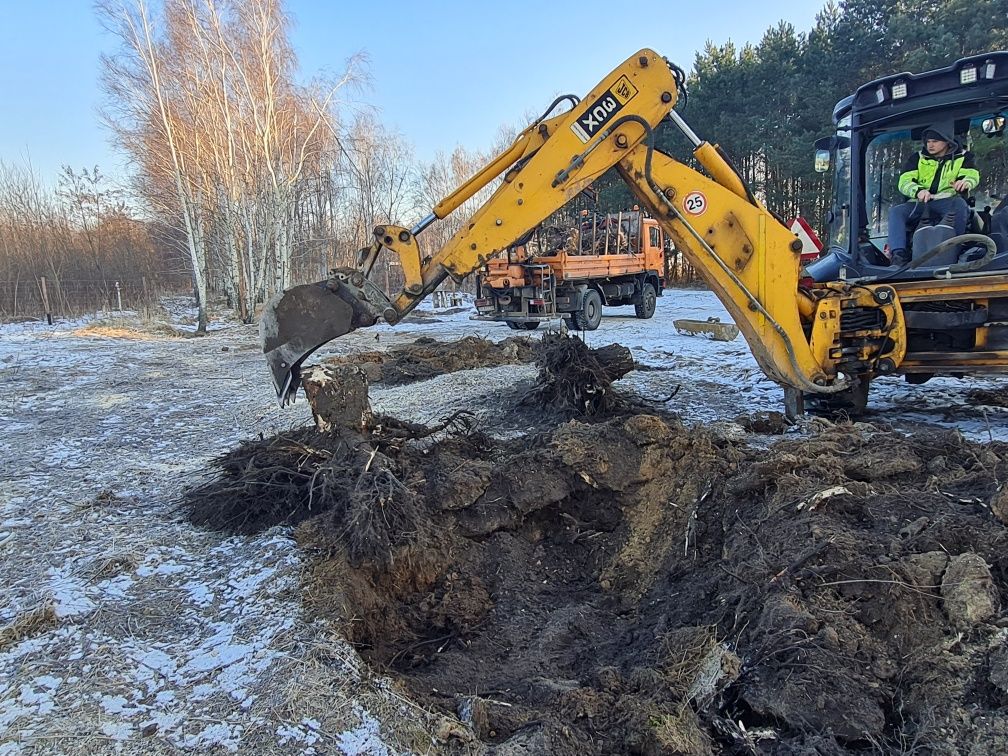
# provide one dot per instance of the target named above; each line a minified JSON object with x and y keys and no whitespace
{"x":886,"y":155}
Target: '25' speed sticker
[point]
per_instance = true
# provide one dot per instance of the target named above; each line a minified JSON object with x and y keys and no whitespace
{"x":695,"y":203}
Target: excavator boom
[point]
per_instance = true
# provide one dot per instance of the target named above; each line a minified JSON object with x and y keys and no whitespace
{"x":547,"y":165}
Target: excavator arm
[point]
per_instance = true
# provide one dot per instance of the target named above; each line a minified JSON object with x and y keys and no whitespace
{"x":802,"y":339}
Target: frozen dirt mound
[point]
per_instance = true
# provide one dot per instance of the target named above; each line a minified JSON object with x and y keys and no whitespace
{"x":427,"y":358}
{"x":633,"y":586}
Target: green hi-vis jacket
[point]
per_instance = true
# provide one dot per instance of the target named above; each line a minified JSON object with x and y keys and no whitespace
{"x":937,"y":175}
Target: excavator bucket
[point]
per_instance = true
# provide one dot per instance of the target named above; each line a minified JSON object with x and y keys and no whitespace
{"x":712,"y":328}
{"x":300,"y":320}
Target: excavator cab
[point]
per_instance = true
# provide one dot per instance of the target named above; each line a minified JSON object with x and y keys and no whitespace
{"x":953,"y":288}
{"x":877,"y":128}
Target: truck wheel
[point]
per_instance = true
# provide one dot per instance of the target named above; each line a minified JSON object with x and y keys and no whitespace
{"x":645,"y":303}
{"x":590,"y":316}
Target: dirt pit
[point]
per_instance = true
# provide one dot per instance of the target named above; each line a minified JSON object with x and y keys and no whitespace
{"x":629,"y":585}
{"x":427,"y":358}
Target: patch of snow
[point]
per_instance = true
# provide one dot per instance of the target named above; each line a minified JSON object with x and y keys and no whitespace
{"x":169,"y":569}
{"x":42,"y":700}
{"x":244,"y":587}
{"x":119,"y":705}
{"x":217,"y":735}
{"x":363,"y":739}
{"x":166,"y":721}
{"x":199,"y":594}
{"x":69,"y":595}
{"x":117,"y":730}
{"x":117,"y":587}
{"x":157,"y":661}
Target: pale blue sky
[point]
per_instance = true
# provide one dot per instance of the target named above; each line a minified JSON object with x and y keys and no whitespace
{"x":443,"y":73}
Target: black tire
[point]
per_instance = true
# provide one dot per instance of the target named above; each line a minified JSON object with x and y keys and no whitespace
{"x":590,"y":315}
{"x":529,"y":325}
{"x":847,"y":404}
{"x":646,"y":302}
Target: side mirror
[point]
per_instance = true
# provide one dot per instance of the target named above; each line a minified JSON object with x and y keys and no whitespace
{"x":824,"y":147}
{"x":832,"y":143}
{"x":993,"y":126}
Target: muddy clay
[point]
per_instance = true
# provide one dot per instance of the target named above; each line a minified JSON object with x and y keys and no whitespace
{"x":427,"y":358}
{"x":624,"y":584}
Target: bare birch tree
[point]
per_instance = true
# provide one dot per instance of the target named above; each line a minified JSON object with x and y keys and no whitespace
{"x":220,"y":117}
{"x":142,"y":114}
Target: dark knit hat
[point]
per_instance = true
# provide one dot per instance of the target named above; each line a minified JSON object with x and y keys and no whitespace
{"x":942,"y":131}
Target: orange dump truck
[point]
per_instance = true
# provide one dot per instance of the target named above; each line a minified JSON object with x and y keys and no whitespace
{"x":573,"y":270}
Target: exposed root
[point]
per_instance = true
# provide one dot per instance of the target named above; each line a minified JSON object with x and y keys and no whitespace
{"x":575,"y":378}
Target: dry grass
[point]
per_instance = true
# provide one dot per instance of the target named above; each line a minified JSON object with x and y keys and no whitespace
{"x":329,"y":685}
{"x":678,"y":732}
{"x":128,"y":328}
{"x":27,"y":624}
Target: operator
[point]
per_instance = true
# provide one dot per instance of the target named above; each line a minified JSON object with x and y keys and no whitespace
{"x":935,"y":180}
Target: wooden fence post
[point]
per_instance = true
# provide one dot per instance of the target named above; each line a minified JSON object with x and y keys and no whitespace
{"x":45,"y":301}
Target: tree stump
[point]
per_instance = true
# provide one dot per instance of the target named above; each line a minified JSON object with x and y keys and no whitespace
{"x":338,"y":396}
{"x":573,"y":376}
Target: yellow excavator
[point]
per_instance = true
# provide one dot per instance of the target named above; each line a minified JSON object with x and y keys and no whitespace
{"x":821,"y":333}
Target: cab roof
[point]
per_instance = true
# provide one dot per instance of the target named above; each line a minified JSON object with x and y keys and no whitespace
{"x":985,"y":81}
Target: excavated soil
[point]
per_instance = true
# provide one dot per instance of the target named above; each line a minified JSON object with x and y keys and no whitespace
{"x":989,"y":397}
{"x":625,"y":584}
{"x":635,"y":587}
{"x":427,"y":358}
{"x":632,"y":586}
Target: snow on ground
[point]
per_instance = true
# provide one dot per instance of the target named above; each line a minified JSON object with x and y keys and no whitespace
{"x":139,"y":633}
{"x":136,"y":630}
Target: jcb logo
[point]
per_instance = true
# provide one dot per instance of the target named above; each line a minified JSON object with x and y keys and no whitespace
{"x":624,"y":90}
{"x":603,"y":109}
